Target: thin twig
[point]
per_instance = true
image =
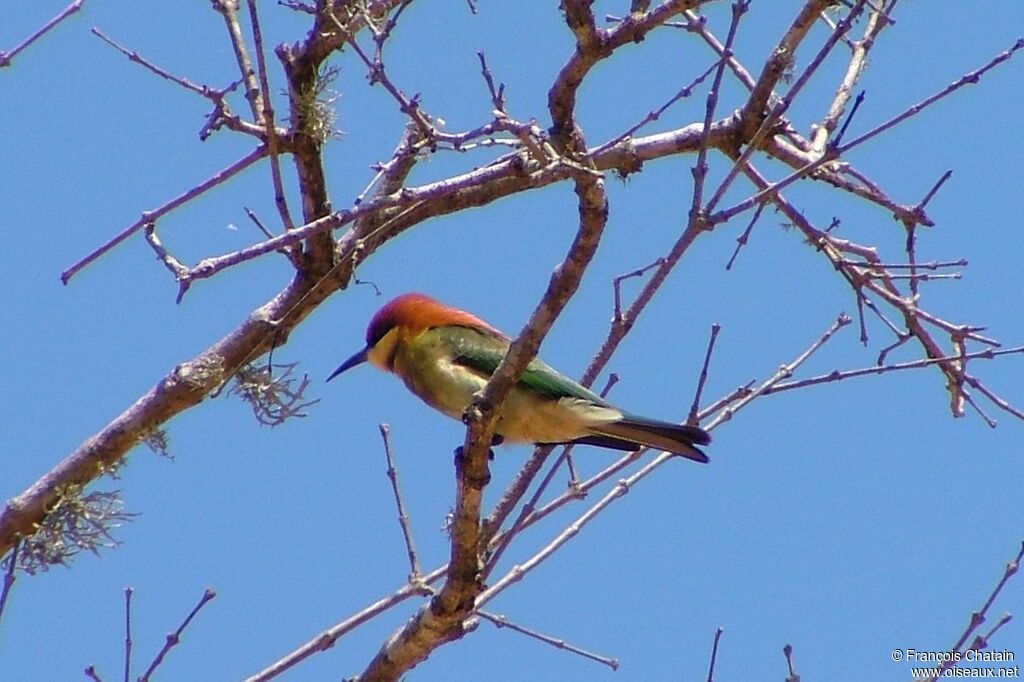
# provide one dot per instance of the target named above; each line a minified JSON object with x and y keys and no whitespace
{"x":967,"y":79}
{"x":978,"y":617}
{"x":697,"y":24}
{"x":502,"y":542}
{"x":655,"y":114}
{"x":933,"y":265}
{"x":838,"y":139}
{"x":858,"y":63}
{"x":787,"y":651}
{"x":784,"y":372}
{"x":617,"y":285}
{"x":9,"y":577}
{"x":837,"y":375}
{"x":691,"y":418}
{"x":175,"y":266}
{"x":935,"y":188}
{"x":714,"y":654}
{"x":409,"y":107}
{"x":497,"y":94}
{"x":229,"y":10}
{"x":149,"y":217}
{"x":742,"y":240}
{"x":992,"y":423}
{"x":769,"y":123}
{"x":514,"y":493}
{"x":127,"y":633}
{"x":996,"y":400}
{"x":256,"y":221}
{"x":403,"y":518}
{"x":698,"y":210}
{"x":175,"y":637}
{"x":501,"y":621}
{"x":326,"y":639}
{"x":981,"y":641}
{"x":519,"y":571}
{"x":267,"y":119}
{"x":221,"y":114}
{"x":7,"y":57}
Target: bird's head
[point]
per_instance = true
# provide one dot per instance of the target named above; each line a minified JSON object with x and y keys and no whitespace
{"x":401,"y":320}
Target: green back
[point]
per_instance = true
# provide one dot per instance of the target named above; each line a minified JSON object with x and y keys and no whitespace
{"x":483,"y":352}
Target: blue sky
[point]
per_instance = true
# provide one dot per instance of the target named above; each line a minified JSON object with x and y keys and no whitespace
{"x":848,"y":520}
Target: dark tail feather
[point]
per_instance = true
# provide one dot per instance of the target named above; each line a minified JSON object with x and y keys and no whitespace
{"x":631,"y":433}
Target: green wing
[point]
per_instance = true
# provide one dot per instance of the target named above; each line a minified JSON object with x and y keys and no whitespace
{"x":483,"y":352}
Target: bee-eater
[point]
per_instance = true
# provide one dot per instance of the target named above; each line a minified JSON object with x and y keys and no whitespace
{"x":445,"y":355}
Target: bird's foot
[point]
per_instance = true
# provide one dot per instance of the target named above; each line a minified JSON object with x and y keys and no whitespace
{"x":477,"y":481}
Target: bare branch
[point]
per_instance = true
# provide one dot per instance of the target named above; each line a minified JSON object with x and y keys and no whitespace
{"x":714,"y":654}
{"x":6,"y":58}
{"x":967,"y":79}
{"x":592,"y":46}
{"x":221,"y":114}
{"x":692,"y":416}
{"x":403,"y":518}
{"x":858,"y":63}
{"x":977,"y":618}
{"x":174,"y":638}
{"x":127,"y":633}
{"x":267,"y":119}
{"x":787,"y":651}
{"x":501,"y":621}
{"x":742,"y":240}
{"x":229,"y":10}
{"x":9,"y":564}
{"x":150,"y":217}
{"x":837,"y":375}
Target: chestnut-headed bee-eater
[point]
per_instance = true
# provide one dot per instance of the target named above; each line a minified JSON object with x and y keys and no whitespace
{"x":445,"y":355}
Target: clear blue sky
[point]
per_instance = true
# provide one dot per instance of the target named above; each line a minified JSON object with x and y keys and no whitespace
{"x":848,"y":520}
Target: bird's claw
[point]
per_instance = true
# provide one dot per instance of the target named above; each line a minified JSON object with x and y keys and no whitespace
{"x":478,"y":482}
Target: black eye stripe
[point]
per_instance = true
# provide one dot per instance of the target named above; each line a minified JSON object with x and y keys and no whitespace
{"x":377,"y":331}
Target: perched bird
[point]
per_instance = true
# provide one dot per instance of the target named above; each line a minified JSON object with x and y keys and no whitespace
{"x":445,"y":355}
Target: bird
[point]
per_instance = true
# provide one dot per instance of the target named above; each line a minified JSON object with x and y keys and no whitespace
{"x":445,"y":355}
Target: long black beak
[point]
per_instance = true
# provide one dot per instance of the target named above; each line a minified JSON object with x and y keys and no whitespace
{"x":357,"y":359}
